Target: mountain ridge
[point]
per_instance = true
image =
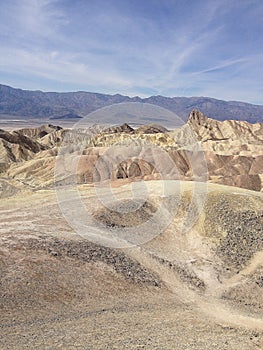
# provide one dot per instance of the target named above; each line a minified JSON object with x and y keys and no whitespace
{"x":49,"y":105}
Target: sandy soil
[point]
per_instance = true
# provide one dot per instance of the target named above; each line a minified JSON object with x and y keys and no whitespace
{"x":60,"y":291}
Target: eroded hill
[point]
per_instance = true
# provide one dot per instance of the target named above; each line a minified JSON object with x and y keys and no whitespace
{"x":229,"y":152}
{"x":91,"y":257}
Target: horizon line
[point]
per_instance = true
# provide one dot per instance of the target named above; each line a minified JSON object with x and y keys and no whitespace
{"x":123,"y":95}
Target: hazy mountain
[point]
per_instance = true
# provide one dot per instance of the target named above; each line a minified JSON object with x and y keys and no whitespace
{"x":38,"y":104}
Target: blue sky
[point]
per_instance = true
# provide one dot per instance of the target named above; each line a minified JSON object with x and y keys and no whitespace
{"x":170,"y":47}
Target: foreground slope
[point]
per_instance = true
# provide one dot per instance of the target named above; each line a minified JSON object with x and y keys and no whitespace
{"x":197,"y":290}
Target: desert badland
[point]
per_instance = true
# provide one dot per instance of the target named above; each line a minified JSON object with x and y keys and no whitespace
{"x":108,"y":267}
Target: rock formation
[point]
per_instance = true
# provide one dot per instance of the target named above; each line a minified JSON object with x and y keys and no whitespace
{"x":228,"y":152}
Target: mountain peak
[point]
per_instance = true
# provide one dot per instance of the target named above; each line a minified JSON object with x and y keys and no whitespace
{"x":196,"y":117}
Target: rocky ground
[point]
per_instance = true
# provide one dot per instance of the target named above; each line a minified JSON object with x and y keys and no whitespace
{"x":199,"y":290}
{"x":104,"y":260}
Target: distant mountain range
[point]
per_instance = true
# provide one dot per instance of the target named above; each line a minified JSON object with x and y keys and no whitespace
{"x":73,"y":105}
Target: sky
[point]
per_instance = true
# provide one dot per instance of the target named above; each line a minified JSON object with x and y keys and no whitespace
{"x":134,"y":47}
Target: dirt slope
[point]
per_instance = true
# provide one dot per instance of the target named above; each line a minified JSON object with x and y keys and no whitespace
{"x":197,"y":290}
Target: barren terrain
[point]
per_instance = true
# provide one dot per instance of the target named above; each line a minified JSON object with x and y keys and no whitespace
{"x":199,"y":290}
{"x":106,"y":260}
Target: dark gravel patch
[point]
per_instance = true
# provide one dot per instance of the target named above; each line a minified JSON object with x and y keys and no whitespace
{"x":237,"y":227}
{"x":127,"y":213}
{"x":90,"y":252}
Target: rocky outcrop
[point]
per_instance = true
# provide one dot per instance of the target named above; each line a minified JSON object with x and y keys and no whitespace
{"x":151,"y":129}
{"x":119,"y":129}
{"x":228,"y":152}
{"x":209,"y":129}
{"x":145,"y":129}
{"x":39,"y":132}
{"x":17,"y":147}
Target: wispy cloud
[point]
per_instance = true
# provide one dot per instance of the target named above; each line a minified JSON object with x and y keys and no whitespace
{"x":171,"y":48}
{"x":54,"y":66}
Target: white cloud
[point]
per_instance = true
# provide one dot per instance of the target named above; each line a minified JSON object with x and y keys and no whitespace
{"x":53,"y":66}
{"x":40,"y":17}
{"x":112,"y":49}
